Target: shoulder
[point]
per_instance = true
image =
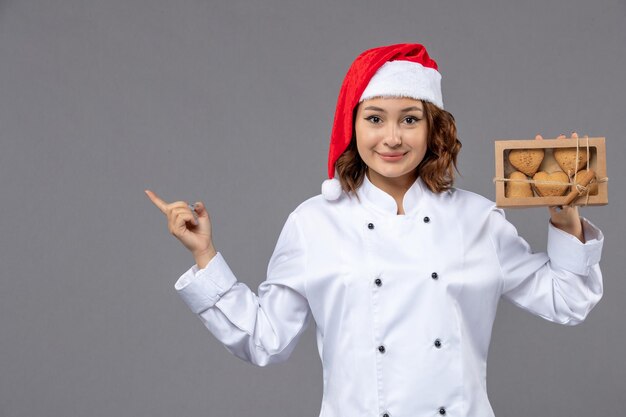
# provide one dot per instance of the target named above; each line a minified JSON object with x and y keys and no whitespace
{"x":459,"y":197}
{"x":313,"y":204}
{"x":318,"y":205}
{"x":474,"y":215}
{"x":316,"y":211}
{"x":469,"y":206}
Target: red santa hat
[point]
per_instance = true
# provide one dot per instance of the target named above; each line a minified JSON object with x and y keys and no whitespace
{"x":399,"y":70}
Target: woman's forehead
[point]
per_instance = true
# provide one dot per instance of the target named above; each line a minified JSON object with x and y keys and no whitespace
{"x":390,"y":103}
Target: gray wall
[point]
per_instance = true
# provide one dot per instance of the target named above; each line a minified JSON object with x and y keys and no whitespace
{"x":232,"y":103}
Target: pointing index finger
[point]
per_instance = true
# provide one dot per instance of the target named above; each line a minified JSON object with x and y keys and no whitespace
{"x":162,"y":205}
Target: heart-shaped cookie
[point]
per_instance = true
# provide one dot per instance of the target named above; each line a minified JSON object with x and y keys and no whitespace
{"x":566,"y":158}
{"x":545,"y":190}
{"x":526,"y":160}
{"x":515,"y":189}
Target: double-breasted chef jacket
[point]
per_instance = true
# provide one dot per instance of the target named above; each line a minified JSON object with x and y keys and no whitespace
{"x":403,"y":304}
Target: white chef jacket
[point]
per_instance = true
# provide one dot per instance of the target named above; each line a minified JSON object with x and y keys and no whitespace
{"x":404,"y":304}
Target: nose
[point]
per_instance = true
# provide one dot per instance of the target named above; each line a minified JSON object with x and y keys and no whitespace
{"x":394,"y":137}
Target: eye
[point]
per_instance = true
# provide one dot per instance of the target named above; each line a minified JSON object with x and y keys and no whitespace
{"x":412,"y":118}
{"x":371,"y":119}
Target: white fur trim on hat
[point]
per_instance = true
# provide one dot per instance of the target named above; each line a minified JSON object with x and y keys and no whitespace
{"x":331,"y":189}
{"x":405,"y":79}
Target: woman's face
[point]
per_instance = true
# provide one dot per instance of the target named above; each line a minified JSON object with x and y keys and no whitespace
{"x":391,"y":137}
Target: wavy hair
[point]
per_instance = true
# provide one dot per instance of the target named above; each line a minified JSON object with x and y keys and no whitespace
{"x":436,"y":168}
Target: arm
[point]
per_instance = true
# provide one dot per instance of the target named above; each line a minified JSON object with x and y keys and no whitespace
{"x":260,"y":329}
{"x":562,"y":285}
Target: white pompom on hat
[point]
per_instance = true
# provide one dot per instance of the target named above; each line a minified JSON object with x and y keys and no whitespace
{"x":399,"y":70}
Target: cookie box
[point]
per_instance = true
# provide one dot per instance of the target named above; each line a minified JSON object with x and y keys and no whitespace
{"x":551,"y":172}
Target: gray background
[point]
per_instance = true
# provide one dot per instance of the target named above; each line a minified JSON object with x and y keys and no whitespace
{"x":232,"y":103}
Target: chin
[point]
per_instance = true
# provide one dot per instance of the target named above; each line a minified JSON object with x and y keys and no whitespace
{"x":392,"y":173}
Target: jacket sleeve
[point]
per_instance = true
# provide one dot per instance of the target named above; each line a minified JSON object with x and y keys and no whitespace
{"x":260,"y":329}
{"x":562,"y":285}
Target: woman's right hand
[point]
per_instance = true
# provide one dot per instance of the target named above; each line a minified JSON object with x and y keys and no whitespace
{"x":181,"y":223}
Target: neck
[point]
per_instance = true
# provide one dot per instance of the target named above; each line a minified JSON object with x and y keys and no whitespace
{"x":395,"y":187}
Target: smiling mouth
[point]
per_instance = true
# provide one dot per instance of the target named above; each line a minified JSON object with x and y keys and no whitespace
{"x":392,"y":157}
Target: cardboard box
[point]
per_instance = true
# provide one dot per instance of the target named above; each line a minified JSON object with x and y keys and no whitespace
{"x":526,"y":152}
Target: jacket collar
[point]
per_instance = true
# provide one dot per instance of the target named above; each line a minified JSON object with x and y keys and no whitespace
{"x":380,"y":200}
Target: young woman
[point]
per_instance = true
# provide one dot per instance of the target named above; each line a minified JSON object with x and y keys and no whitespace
{"x":401,"y":272}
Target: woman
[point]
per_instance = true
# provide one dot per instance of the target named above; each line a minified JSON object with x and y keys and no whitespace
{"x":401,"y":271}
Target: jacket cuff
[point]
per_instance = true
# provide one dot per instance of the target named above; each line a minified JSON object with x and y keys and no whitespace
{"x":567,"y":252}
{"x":202,"y":288}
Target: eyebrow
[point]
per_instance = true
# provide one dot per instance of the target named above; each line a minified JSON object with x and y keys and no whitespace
{"x":383,"y":111}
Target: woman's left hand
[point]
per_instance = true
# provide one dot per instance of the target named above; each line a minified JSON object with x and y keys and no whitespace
{"x":566,"y":218}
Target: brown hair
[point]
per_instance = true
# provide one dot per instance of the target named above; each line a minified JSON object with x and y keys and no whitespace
{"x":437,"y":167}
